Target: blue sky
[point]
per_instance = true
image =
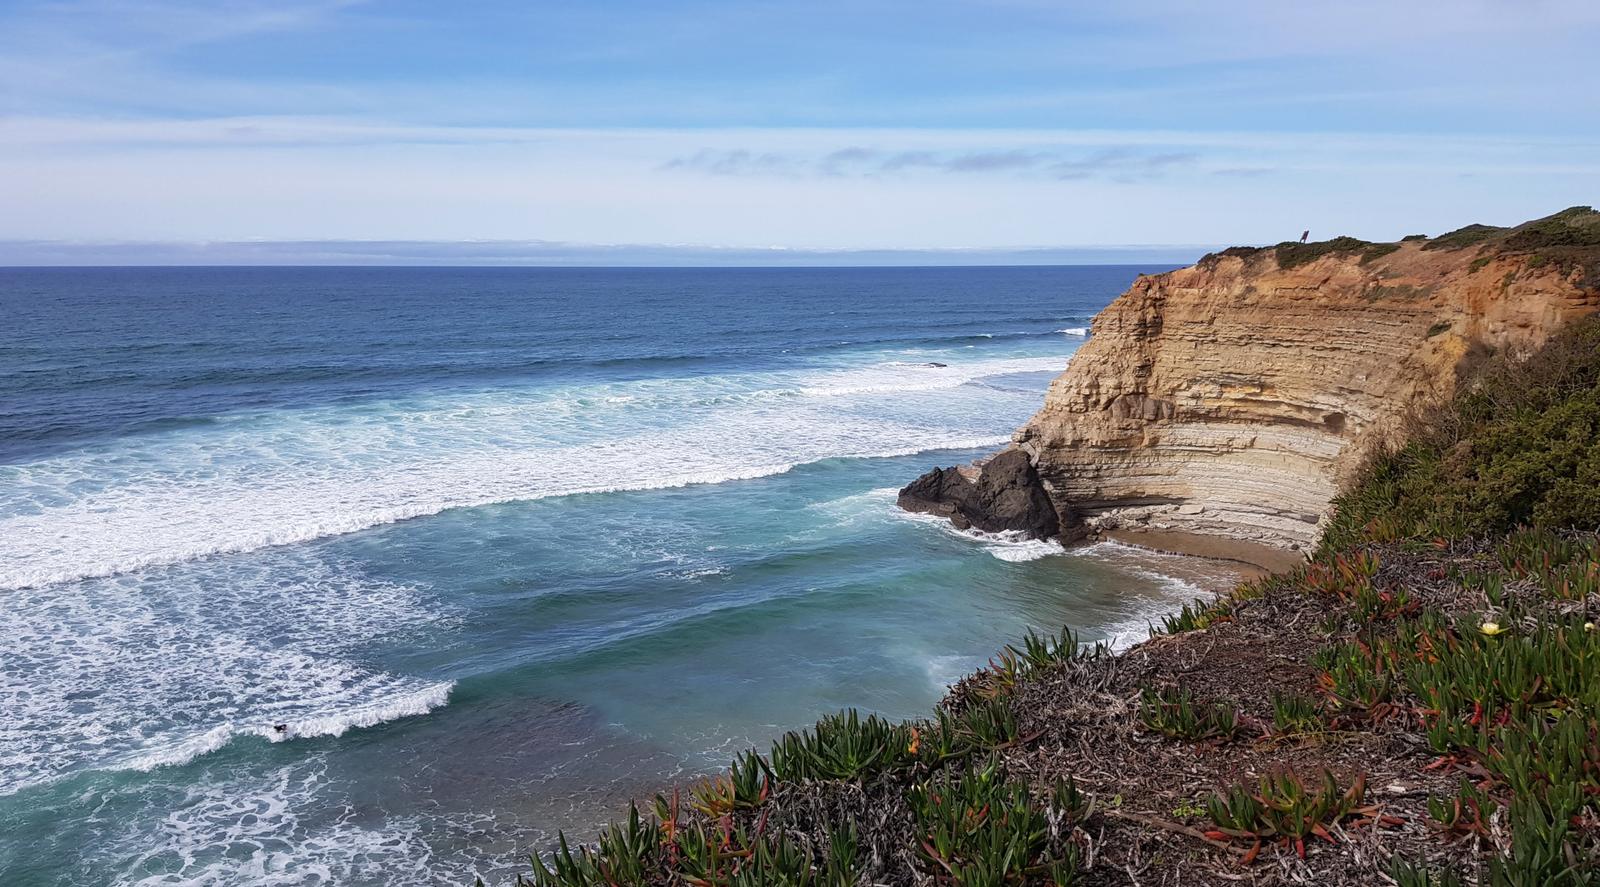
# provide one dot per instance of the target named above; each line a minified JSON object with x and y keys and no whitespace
{"x":757,"y":129}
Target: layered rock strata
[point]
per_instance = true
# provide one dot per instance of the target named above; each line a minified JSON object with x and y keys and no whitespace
{"x":1235,"y":396}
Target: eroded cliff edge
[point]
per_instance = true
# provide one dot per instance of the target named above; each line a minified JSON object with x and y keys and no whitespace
{"x":1234,"y":397}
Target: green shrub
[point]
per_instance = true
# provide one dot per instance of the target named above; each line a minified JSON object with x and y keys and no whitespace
{"x":1283,"y":806}
{"x":626,"y":853}
{"x":747,"y":784}
{"x":1292,"y":254}
{"x":1543,"y":851}
{"x":1468,"y":811}
{"x":1293,"y":713}
{"x":1037,"y":653}
{"x":988,"y":724}
{"x":1177,"y":713}
{"x":1209,"y":260}
{"x":1464,"y":237}
{"x":1405,"y":873}
{"x":1519,"y":446}
{"x":1041,"y":651}
{"x":984,"y":830}
{"x":1569,"y":239}
{"x":1378,"y":251}
{"x":1575,"y":226}
{"x":844,"y":746}
{"x":1356,"y":676}
{"x":1196,"y":615}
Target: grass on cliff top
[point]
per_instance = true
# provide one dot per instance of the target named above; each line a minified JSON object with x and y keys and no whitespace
{"x":1570,"y":238}
{"x":1577,"y":226}
{"x":1419,"y":705}
{"x":1465,"y":236}
{"x":1568,"y":241}
{"x":1292,"y":254}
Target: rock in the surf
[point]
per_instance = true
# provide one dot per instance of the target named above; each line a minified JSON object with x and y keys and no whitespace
{"x":942,"y":491}
{"x":1007,"y":496}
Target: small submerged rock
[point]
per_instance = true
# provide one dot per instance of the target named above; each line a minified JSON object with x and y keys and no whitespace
{"x":1007,"y":496}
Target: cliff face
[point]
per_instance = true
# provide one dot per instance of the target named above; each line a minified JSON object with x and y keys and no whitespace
{"x":1234,"y":396}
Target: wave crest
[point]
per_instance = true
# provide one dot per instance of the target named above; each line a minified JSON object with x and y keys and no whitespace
{"x":366,"y":714}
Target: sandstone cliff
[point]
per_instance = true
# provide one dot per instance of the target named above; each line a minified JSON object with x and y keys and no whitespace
{"x":1234,"y":396}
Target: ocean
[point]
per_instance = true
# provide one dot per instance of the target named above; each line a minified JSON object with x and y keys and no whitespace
{"x":319,"y":576}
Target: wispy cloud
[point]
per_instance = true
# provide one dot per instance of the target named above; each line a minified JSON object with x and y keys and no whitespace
{"x":736,"y":162}
{"x":1118,"y":163}
{"x":1122,"y":164}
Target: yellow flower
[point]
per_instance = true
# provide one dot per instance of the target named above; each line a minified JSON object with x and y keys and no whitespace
{"x":1588,"y":626}
{"x":1490,"y":628}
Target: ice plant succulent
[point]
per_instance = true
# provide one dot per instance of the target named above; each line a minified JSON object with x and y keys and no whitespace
{"x":1285,"y":808}
{"x":1177,"y":713}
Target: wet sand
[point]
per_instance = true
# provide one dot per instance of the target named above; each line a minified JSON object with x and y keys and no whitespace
{"x":1260,"y":559}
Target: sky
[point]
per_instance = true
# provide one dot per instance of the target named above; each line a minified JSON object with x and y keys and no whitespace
{"x":751,"y":132}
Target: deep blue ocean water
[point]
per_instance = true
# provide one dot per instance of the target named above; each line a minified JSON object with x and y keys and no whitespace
{"x":380,"y":576}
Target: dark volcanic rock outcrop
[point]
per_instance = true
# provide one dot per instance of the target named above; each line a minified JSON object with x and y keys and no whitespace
{"x":942,"y":491}
{"x":1007,"y":495}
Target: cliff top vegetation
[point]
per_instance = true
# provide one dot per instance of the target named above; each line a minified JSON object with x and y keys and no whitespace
{"x":1570,"y":239}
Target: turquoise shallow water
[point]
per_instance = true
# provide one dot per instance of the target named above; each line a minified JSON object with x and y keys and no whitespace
{"x":379,"y":577}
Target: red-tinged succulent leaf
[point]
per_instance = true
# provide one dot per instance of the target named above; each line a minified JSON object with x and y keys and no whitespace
{"x":1251,"y":856}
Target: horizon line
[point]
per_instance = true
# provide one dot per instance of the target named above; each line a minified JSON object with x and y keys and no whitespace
{"x":557,"y":254}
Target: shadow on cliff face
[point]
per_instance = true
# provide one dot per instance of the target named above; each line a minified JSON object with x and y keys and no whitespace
{"x":1007,"y":496}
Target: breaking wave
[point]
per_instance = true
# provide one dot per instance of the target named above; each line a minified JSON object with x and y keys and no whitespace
{"x":291,"y":477}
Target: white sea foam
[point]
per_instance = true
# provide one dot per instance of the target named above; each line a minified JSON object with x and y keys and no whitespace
{"x":701,"y":573}
{"x":141,"y":672}
{"x":289,"y":477}
{"x":278,"y":829}
{"x":1181,"y":580}
{"x":1079,"y":331}
{"x":868,"y":504}
{"x":179,"y":751}
{"x":945,"y":669}
{"x":1011,"y":545}
{"x":1019,"y":550}
{"x":899,"y":377}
